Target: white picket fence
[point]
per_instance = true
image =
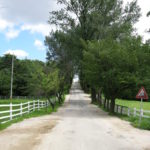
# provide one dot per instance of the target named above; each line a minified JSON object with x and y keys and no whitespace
{"x":132,"y":111}
{"x":11,"y":111}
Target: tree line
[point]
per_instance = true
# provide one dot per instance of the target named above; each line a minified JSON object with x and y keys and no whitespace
{"x":31,"y":78}
{"x":96,"y":39}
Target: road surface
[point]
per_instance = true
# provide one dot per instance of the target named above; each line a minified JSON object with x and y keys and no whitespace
{"x":78,"y":125}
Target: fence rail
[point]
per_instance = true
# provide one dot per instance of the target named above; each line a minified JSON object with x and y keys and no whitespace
{"x":11,"y":111}
{"x":130,"y":111}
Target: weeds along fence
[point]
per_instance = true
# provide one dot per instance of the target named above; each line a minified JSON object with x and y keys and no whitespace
{"x":123,"y":110}
{"x":11,"y":111}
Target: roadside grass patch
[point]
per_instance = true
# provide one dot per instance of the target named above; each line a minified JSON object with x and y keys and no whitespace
{"x":145,"y":122}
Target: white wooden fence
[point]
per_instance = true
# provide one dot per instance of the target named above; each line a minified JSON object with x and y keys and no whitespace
{"x":132,"y":111}
{"x":11,"y":111}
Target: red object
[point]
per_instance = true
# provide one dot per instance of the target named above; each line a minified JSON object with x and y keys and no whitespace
{"x":142,"y":94}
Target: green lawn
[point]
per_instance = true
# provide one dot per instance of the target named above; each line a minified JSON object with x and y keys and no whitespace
{"x":15,"y":101}
{"x":132,"y":104}
{"x":145,"y":123}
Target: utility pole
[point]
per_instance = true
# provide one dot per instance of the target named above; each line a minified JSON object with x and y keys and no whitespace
{"x":12,"y":72}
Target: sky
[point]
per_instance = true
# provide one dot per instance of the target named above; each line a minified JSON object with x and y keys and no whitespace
{"x":23,"y":26}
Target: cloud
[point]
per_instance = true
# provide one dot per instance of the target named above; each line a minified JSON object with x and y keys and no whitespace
{"x":144,"y":22}
{"x":12,"y":33}
{"x":5,"y":24}
{"x":43,"y":29}
{"x":39,"y":44}
{"x":32,"y":15}
{"x":27,"y":11}
{"x":26,"y":15}
{"x":18,"y":53}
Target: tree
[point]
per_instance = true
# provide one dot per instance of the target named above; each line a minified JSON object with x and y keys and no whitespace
{"x":94,"y":20}
{"x":27,"y":77}
{"x":5,"y":74}
{"x":110,"y":66}
{"x":59,"y":53}
{"x":148,"y":14}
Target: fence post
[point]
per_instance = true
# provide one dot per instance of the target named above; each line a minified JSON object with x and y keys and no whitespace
{"x":38,"y":105}
{"x":121,"y":110}
{"x":117,"y":108}
{"x":128,"y":111}
{"x":47,"y":103}
{"x":141,"y":112}
{"x":28,"y":107}
{"x":33,"y":105}
{"x":10,"y":111}
{"x":43,"y":104}
{"x":20,"y":109}
{"x":134,"y":112}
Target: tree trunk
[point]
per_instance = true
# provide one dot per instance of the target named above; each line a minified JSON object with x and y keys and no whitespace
{"x":59,"y":96}
{"x":51,"y":103}
{"x":93,"y":95}
{"x":99,"y":98}
{"x":112,"y":106}
{"x":59,"y":100}
{"x":107,"y":104}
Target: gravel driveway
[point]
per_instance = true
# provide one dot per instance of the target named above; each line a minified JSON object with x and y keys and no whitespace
{"x":77,"y":125}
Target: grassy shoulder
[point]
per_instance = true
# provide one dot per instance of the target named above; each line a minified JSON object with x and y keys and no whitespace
{"x":145,"y":122}
{"x":133,"y":104}
{"x":43,"y":111}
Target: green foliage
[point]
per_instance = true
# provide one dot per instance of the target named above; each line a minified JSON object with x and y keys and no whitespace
{"x":119,"y":68}
{"x":98,"y":43}
{"x":50,"y":82}
{"x":145,"y":123}
{"x":27,"y":77}
{"x":109,"y":65}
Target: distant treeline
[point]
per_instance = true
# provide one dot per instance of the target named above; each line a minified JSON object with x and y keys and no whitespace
{"x":32,"y":78}
{"x":27,"y":77}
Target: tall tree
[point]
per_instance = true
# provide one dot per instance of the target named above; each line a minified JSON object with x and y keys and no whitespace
{"x":87,"y":21}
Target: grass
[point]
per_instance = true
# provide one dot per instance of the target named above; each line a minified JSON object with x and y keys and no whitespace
{"x":145,"y":122}
{"x":15,"y":101}
{"x":36,"y":113}
{"x":132,"y":104}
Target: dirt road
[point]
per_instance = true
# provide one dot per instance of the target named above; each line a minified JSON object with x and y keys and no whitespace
{"x":78,"y":125}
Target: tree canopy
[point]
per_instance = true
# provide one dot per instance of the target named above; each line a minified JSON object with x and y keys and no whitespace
{"x":95,"y":39}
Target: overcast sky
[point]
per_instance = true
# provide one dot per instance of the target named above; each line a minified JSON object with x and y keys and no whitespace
{"x":23,"y":26}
